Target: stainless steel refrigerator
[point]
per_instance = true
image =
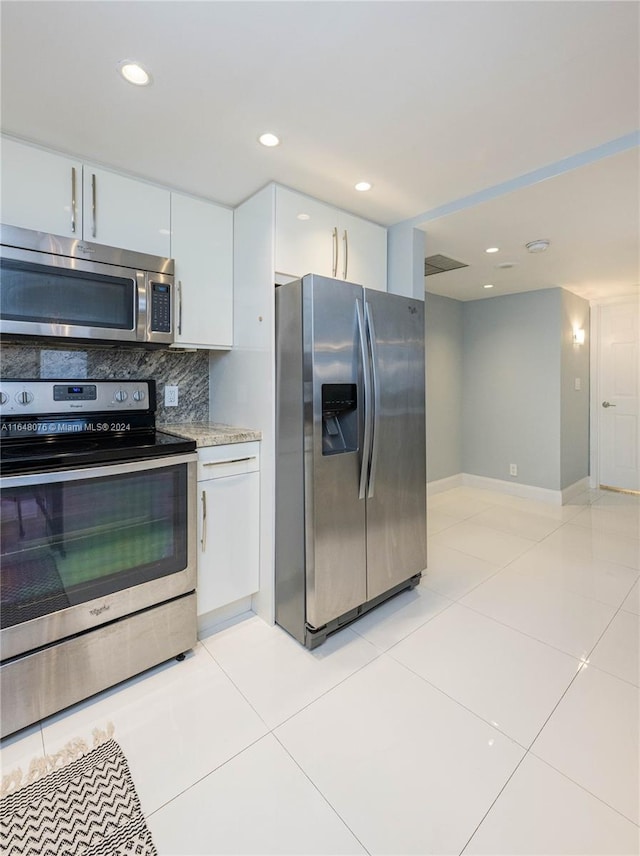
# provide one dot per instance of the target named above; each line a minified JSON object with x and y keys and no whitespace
{"x":350,"y":452}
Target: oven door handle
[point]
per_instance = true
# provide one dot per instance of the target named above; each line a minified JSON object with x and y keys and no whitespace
{"x":102,"y":471}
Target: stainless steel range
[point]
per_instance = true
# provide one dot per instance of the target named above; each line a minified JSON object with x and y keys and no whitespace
{"x":98,"y":554}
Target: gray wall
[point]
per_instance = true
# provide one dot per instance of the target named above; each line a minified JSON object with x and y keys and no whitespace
{"x":574,"y":410}
{"x":511,"y":387}
{"x":501,"y":388}
{"x":188,"y":371}
{"x":443,"y":318}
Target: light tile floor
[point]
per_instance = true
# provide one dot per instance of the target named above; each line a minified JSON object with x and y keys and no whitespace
{"x":492,"y":710}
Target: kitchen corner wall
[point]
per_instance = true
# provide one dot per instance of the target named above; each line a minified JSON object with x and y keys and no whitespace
{"x":189,"y":371}
{"x":511,"y":387}
{"x":501,"y":388}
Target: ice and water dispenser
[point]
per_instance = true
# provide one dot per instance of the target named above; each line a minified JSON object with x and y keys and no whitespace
{"x":339,"y":418}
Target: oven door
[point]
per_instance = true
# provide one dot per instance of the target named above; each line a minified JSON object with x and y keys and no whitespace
{"x":48,"y":295}
{"x":84,"y":547}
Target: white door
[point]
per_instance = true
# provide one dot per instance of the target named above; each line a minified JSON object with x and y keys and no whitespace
{"x":619,"y":394}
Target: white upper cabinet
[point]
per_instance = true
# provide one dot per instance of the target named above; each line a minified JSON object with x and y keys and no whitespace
{"x":202,"y":246}
{"x":306,"y":233}
{"x":53,"y":193}
{"x":124,"y":212}
{"x":41,"y":190}
{"x":363,"y":248}
{"x":312,"y":237}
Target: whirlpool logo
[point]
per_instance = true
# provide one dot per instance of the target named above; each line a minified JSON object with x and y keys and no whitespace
{"x":99,"y":609}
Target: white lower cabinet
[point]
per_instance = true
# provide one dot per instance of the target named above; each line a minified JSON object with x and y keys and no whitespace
{"x":228,"y":524}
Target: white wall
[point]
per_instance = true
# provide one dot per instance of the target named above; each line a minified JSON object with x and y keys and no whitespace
{"x":242,"y":382}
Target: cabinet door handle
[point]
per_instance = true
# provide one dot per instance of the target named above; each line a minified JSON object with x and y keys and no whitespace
{"x":73,"y":199}
{"x":203,"y":540}
{"x":335,"y":251}
{"x":229,"y":461}
{"x":93,"y":203}
{"x":179,"y":307}
{"x":345,"y":238}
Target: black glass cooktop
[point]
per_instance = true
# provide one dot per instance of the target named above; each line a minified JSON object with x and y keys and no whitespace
{"x":47,"y":453}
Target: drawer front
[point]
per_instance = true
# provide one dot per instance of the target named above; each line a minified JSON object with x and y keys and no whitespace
{"x":230,"y":459}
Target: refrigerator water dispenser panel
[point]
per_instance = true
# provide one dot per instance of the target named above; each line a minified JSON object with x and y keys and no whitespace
{"x":339,"y":418}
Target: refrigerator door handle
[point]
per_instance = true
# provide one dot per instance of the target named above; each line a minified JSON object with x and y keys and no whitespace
{"x":371,"y":335}
{"x":366,"y":443}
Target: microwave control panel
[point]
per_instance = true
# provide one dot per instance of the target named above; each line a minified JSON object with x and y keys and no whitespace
{"x":160,"y":307}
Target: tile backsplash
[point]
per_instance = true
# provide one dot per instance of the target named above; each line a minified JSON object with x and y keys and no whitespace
{"x":187,"y":370}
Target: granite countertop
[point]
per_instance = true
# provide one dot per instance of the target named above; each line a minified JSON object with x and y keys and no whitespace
{"x":210,"y":433}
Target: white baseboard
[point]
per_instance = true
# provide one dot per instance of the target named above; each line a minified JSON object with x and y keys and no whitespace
{"x":569,"y":493}
{"x":441,"y":485}
{"x":217,"y":618}
{"x":526,"y":491}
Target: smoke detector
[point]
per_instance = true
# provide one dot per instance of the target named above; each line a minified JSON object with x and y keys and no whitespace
{"x":538,"y":246}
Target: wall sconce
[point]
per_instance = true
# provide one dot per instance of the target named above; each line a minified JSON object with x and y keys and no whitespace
{"x":578,"y":336}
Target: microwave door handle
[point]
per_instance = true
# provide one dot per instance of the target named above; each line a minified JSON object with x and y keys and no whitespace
{"x":93,"y":204}
{"x":73,"y":199}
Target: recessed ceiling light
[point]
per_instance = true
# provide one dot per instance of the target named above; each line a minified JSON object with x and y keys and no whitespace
{"x":134,"y":73}
{"x":304,"y":216}
{"x":538,"y":246}
{"x":492,"y":250}
{"x":363,"y":185}
{"x":488,"y":285}
{"x":269,"y":140}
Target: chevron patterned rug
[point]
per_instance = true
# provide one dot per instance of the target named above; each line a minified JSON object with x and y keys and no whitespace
{"x":89,"y":807}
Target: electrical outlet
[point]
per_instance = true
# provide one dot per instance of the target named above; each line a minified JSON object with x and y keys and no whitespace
{"x":513,"y":469}
{"x":171,"y":396}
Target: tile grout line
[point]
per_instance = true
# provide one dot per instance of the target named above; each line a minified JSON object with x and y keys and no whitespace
{"x":206,"y":775}
{"x":324,"y":797}
{"x":497,"y":797}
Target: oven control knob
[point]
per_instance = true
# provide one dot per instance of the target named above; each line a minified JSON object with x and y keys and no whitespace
{"x":121,"y":395}
{"x":3,"y":398}
{"x":24,"y":397}
{"x":138,"y":395}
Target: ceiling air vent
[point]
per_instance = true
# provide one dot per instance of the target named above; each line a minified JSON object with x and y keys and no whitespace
{"x":441,"y":264}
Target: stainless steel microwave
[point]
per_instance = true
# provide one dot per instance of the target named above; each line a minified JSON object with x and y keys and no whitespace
{"x":52,"y":286}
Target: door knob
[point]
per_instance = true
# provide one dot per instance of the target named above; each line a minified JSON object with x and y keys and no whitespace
{"x":607,"y":404}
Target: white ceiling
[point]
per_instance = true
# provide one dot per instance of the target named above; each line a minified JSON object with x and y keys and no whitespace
{"x":430,"y":101}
